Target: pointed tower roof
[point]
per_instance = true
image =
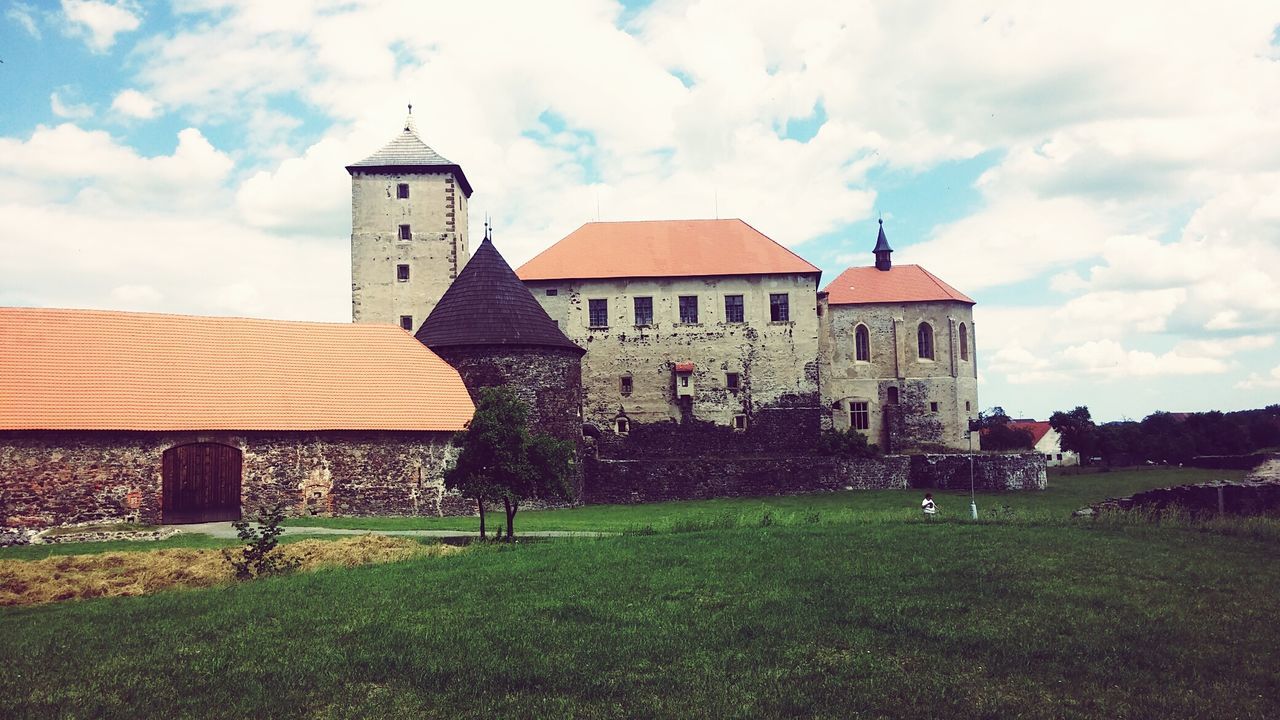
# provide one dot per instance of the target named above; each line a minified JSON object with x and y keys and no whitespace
{"x":882,"y":242}
{"x":407,"y":153}
{"x":488,"y":305}
{"x":883,"y":251}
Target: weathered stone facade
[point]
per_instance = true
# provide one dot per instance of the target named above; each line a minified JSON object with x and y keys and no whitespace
{"x":435,"y":213}
{"x":935,"y":397}
{"x":705,"y":477}
{"x":630,"y":368}
{"x":58,"y":477}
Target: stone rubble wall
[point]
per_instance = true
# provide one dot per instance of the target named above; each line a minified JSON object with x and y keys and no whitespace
{"x":706,"y":477}
{"x":1249,"y":497}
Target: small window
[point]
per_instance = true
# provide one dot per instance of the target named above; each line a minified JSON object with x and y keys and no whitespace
{"x":402,"y":191}
{"x":933,"y":407}
{"x":598,"y":313}
{"x":733,"y":381}
{"x":552,"y":292}
{"x":689,"y":309}
{"x":684,"y":380}
{"x":779,"y":308}
{"x":862,"y":344}
{"x":1059,"y":454}
{"x":964,"y":342}
{"x":621,"y":425}
{"x":893,"y":395}
{"x":406,"y":322}
{"x":624,"y":384}
{"x":644,"y":310}
{"x":966,"y":406}
{"x":405,"y":234}
{"x":402,"y":273}
{"x":733,"y":308}
{"x":924,"y":341}
{"x":859,"y":415}
{"x":740,"y":422}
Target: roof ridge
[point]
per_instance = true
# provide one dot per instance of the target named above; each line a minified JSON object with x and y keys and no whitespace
{"x":794,"y":254}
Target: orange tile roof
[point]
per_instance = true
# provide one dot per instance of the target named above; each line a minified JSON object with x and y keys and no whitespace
{"x":98,"y":370}
{"x":663,"y":248}
{"x":901,"y":283}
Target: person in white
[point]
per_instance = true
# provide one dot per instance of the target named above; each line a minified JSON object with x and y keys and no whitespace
{"x":928,"y":506}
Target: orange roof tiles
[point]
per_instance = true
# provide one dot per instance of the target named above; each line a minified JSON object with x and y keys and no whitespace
{"x":901,"y":283}
{"x":1037,"y":428}
{"x":99,"y":370}
{"x":663,"y":248}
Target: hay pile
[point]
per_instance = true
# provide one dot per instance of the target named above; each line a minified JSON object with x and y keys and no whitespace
{"x":71,"y":577}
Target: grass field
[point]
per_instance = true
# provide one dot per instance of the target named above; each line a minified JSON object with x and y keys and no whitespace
{"x":836,"y":618}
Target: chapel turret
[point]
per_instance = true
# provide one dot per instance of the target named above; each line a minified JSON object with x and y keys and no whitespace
{"x":408,"y":230}
{"x":883,"y":251}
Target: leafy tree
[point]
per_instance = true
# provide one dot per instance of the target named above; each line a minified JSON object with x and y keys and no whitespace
{"x":997,"y":435}
{"x":849,"y":443}
{"x":260,"y":556}
{"x":1078,"y":433}
{"x":501,"y":461}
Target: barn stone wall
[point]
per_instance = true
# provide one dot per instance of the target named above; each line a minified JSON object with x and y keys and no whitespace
{"x":727,"y":475}
{"x":50,"y":478}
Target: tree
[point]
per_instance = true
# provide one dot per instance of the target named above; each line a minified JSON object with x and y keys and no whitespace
{"x":1078,"y":433}
{"x":997,"y":435}
{"x":500,"y":460}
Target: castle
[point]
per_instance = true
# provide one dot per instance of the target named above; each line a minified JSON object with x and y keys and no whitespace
{"x":685,"y":358}
{"x":680,"y":321}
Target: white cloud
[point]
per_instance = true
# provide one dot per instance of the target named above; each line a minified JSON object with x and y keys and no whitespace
{"x":68,"y":110}
{"x":134,"y":104}
{"x":23,"y":15}
{"x":1256,"y":381}
{"x":98,"y":22}
{"x":1109,"y":359}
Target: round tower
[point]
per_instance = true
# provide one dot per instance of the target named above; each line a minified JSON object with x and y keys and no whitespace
{"x":408,"y":230}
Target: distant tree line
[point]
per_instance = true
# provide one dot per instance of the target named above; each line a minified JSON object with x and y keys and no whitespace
{"x":1168,"y":437}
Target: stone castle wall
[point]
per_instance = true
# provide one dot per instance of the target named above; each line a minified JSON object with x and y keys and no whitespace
{"x":49,"y":478}
{"x":707,"y":477}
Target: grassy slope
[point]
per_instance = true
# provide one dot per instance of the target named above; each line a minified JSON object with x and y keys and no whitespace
{"x":882,"y":619}
{"x":1066,"y":494}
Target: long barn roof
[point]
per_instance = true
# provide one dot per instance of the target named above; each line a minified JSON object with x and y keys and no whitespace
{"x":101,"y":370}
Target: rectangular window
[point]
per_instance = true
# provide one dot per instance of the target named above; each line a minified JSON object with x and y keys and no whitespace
{"x":644,"y":311}
{"x":739,"y":422}
{"x":402,"y":273}
{"x":404,"y":233}
{"x":598,"y":313}
{"x":733,"y":381}
{"x":552,"y":292}
{"x":406,"y":322}
{"x":859,"y":415}
{"x":689,"y":309}
{"x":933,"y":407}
{"x":733,"y":308}
{"x":1059,"y":456}
{"x":624,"y":384}
{"x":779,"y":310}
{"x":402,"y":191}
{"x":684,"y":381}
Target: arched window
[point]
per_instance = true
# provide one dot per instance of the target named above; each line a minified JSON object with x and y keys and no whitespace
{"x":924,"y":341}
{"x":964,"y":342}
{"x":862,"y":344}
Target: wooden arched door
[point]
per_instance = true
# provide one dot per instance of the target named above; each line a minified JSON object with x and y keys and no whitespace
{"x":201,"y":483}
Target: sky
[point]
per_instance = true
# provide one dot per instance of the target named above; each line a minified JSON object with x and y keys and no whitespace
{"x":1102,"y":178}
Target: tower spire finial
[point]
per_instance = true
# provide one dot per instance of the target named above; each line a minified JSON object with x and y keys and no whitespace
{"x":488,"y":228}
{"x":408,"y":121}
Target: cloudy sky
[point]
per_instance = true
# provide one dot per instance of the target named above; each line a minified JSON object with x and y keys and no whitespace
{"x":1102,"y":177}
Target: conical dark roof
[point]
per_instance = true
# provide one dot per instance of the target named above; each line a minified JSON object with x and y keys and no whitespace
{"x":882,"y":242}
{"x":488,"y":305}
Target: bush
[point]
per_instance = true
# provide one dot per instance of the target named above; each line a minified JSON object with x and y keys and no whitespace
{"x":260,"y":557}
{"x":849,"y":443}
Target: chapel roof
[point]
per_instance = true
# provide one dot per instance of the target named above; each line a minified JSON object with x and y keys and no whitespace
{"x":663,"y":248}
{"x":407,"y":153}
{"x":1037,"y":428}
{"x":488,"y":305}
{"x":901,"y":283}
{"x":66,"y":369}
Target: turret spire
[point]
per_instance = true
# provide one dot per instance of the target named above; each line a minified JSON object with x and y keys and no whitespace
{"x":408,"y":121}
{"x":883,"y":251}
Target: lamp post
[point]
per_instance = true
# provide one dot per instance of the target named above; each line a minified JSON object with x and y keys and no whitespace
{"x":973,"y":500}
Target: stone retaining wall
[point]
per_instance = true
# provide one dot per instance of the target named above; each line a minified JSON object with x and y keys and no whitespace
{"x":1260,"y":497}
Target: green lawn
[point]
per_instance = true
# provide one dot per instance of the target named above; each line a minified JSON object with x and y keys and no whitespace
{"x":1066,"y":494}
{"x":908,"y":619}
{"x":841,"y":605}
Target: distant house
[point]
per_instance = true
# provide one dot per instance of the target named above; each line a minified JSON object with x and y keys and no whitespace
{"x":1047,"y":442}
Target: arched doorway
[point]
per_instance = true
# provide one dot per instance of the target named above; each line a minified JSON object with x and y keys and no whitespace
{"x":201,"y":483}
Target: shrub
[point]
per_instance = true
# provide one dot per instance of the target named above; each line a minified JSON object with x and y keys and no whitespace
{"x":260,"y":556}
{"x":850,"y":443}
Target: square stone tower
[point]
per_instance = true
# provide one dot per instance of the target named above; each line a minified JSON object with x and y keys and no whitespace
{"x":408,"y":230}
